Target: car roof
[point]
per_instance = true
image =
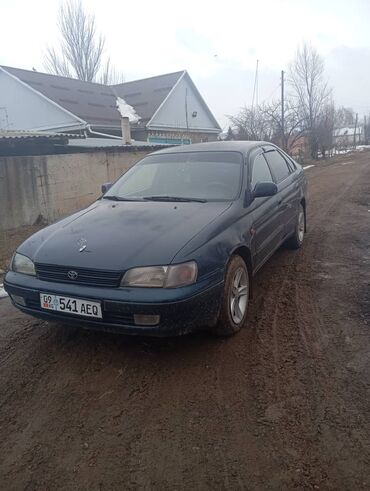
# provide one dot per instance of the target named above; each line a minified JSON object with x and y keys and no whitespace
{"x":242,"y":146}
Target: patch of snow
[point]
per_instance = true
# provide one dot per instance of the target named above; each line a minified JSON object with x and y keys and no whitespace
{"x":342,"y":152}
{"x":127,"y":111}
{"x":308,"y":166}
{"x":3,"y":293}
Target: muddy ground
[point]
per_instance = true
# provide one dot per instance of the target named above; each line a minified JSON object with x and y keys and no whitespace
{"x":285,"y":404}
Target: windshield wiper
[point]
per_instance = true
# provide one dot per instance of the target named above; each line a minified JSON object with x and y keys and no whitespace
{"x":174,"y":198}
{"x":119,"y":198}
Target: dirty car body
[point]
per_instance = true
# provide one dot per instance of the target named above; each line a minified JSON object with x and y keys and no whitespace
{"x":150,"y":255}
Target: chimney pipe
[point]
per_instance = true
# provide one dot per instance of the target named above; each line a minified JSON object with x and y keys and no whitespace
{"x":126,"y":131}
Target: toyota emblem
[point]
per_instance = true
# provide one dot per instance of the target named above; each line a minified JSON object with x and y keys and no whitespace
{"x":72,"y":275}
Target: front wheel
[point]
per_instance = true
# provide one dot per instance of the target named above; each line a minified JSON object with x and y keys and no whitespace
{"x":235,"y":299}
{"x":296,"y":241}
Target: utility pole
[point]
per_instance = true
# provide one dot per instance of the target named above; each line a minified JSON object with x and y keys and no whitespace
{"x":365,"y":130}
{"x":255,"y":87}
{"x":282,"y":112}
{"x":354,"y":136}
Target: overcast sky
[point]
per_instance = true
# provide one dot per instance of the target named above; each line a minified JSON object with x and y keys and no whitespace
{"x":217,"y":42}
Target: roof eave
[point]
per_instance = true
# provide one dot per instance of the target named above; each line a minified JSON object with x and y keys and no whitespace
{"x":158,"y":127}
{"x":40,"y":94}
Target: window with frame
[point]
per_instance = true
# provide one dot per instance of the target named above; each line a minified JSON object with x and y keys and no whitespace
{"x":260,"y":171}
{"x":290,"y":162}
{"x":278,"y":165}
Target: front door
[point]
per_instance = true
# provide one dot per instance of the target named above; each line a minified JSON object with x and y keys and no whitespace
{"x":284,"y":178}
{"x":268,"y":228}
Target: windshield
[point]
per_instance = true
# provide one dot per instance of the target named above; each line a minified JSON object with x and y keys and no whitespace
{"x":203,"y":176}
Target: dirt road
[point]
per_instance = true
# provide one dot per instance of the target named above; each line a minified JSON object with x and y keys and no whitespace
{"x":283,"y":405}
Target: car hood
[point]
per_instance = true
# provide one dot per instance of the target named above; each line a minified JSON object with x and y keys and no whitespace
{"x":121,"y":235}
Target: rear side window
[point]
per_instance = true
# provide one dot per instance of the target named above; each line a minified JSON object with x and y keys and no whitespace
{"x":278,"y":165}
{"x":260,"y":171}
{"x":290,"y":162}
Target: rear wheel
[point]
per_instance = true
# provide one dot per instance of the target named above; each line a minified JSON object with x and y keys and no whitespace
{"x":296,"y":241}
{"x":235,"y":300}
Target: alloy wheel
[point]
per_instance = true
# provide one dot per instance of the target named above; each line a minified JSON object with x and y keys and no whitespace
{"x":239,"y":295}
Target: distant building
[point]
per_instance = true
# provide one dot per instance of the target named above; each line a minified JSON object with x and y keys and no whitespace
{"x":171,"y":109}
{"x":298,"y":146}
{"x":345,"y":137}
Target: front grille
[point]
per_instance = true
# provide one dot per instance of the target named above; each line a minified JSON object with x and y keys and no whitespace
{"x":85,"y":276}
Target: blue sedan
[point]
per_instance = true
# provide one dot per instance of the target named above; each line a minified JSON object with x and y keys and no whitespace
{"x":170,"y":247}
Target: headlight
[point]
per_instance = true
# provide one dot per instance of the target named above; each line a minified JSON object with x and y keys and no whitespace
{"x":162,"y":276}
{"x":23,"y":264}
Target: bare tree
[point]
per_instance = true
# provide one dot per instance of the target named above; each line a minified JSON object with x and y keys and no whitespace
{"x":308,"y":110}
{"x":325,"y":129}
{"x":230,"y":134}
{"x":366,"y":129}
{"x":293,"y":123}
{"x":81,"y":51}
{"x":310,"y":90}
{"x":251,"y":124}
{"x":344,"y":116}
{"x":264,"y":123}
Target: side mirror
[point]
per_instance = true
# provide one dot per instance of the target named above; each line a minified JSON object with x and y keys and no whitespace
{"x":264,"y":189}
{"x":105,"y":187}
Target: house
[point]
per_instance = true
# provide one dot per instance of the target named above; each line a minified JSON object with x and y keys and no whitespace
{"x":349,"y":136}
{"x":170,"y":107}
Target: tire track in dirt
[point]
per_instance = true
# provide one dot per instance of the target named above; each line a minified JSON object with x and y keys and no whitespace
{"x":310,"y":321}
{"x":275,"y":407}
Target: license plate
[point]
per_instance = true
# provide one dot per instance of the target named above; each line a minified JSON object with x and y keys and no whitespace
{"x":69,"y":305}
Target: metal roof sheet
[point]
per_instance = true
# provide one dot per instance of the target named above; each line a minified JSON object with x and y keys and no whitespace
{"x":147,"y":95}
{"x":34,"y":136}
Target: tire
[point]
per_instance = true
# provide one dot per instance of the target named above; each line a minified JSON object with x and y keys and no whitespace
{"x":296,"y":241}
{"x":235,"y":299}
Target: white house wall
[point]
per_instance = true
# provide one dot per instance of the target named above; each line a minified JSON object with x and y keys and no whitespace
{"x":21,"y":108}
{"x":172,"y":113}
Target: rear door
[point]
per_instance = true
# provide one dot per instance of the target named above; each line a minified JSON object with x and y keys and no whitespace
{"x":283,"y":174}
{"x":267,"y":229}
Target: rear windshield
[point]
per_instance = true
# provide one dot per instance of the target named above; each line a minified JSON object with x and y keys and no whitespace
{"x":211,"y":176}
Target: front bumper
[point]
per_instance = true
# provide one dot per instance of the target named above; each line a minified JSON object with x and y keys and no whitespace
{"x":181,"y":310}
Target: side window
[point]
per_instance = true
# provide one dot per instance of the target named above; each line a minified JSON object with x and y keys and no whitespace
{"x":290,"y":162}
{"x":278,"y":165}
{"x":260,"y":171}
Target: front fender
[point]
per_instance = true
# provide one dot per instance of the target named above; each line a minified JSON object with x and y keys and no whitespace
{"x":213,"y":248}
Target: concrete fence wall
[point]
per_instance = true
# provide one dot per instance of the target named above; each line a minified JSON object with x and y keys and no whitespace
{"x":47,"y":187}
